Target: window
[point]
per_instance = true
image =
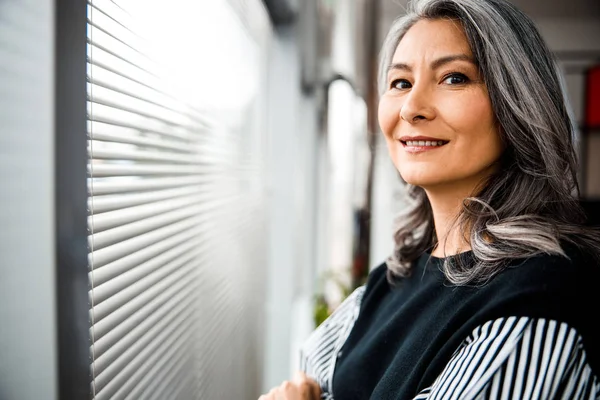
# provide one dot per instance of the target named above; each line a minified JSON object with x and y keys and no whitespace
{"x":176,"y":205}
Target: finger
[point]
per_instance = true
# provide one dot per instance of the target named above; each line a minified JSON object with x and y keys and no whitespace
{"x":316,"y":391}
{"x":286,"y":386}
{"x":314,"y":387}
{"x":303,"y":383}
{"x":308,"y":387}
{"x":286,"y":391}
{"x":280,"y":392}
{"x":300,"y":376}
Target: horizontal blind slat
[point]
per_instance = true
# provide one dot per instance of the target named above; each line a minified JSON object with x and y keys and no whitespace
{"x":106,"y":133}
{"x":102,"y":327}
{"x":126,"y":279}
{"x":117,"y":87}
{"x":179,"y":342}
{"x":99,"y":258}
{"x":112,"y":170}
{"x":126,"y":294}
{"x":164,"y":300}
{"x":124,"y":264}
{"x":172,"y":385}
{"x":142,"y":155}
{"x":112,"y":186}
{"x":118,"y":63}
{"x":119,"y":241}
{"x":94,"y":63}
{"x":141,"y":332}
{"x":125,"y":236}
{"x":109,"y":381}
{"x":152,"y":371}
{"x":95,"y":6}
{"x":121,"y":65}
{"x":151,"y":92}
{"x":124,"y":119}
{"x":123,"y":216}
{"x":103,"y":204}
{"x":94,"y":46}
{"x":122,"y":297}
{"x":104,"y":153}
{"x":99,"y":96}
{"x":214,"y":323}
{"x":107,"y":31}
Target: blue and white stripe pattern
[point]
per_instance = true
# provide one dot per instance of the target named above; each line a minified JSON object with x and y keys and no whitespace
{"x":504,"y":359}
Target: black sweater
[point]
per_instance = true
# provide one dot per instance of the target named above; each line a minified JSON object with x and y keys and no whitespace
{"x":405,"y":335}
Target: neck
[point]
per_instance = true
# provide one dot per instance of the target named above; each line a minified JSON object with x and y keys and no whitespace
{"x":446,"y":204}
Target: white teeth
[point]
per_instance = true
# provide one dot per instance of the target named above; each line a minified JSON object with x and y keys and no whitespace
{"x":423,"y":143}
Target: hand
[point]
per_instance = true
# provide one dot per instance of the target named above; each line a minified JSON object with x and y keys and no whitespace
{"x":300,"y":388}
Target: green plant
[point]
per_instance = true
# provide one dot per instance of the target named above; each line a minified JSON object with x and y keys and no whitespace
{"x":322,"y":308}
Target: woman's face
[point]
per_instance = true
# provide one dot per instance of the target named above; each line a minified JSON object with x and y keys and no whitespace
{"x":436,"y":113}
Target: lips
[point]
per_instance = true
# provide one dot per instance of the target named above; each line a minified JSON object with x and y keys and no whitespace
{"x":418,"y":144}
{"x":423,"y":143}
{"x":420,"y":141}
{"x":421,"y":138}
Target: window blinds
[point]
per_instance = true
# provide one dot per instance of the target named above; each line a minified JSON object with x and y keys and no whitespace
{"x":175,"y":244}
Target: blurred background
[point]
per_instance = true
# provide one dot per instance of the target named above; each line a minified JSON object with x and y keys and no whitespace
{"x":189,"y":187}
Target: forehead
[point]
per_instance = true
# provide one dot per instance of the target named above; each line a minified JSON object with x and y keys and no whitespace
{"x":430,"y":39}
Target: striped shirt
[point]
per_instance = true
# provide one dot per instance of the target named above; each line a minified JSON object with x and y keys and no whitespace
{"x":319,"y":353}
{"x":511,"y":357}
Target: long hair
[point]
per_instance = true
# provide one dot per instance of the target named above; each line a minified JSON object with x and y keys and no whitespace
{"x":530,"y":205}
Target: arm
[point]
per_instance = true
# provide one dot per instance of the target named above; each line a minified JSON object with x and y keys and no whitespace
{"x":517,"y":358}
{"x":319,"y":352}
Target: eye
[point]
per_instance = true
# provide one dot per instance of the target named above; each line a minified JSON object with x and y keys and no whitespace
{"x":455,"y":79}
{"x":400,"y":84}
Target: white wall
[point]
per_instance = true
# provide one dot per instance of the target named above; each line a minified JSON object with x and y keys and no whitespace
{"x":27,"y":293}
{"x":293,"y":165}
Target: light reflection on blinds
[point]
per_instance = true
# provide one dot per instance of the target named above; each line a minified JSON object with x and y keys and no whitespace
{"x":176,"y":206}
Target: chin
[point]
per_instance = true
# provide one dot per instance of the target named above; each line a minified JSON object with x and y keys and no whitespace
{"x":421,"y":180}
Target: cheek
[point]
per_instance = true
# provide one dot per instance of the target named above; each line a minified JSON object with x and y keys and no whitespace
{"x":475,"y":113}
{"x":388,"y":116}
{"x":473,"y":120}
{"x":478,"y":130}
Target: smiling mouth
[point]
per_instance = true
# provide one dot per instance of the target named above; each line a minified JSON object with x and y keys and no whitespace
{"x":423,"y":143}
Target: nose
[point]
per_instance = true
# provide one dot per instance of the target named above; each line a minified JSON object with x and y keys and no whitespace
{"x":417,"y":106}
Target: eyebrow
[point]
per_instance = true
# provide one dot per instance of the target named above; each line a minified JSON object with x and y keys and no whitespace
{"x":436,"y":63}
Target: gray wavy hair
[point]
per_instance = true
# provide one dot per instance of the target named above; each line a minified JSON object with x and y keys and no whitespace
{"x":528,"y":207}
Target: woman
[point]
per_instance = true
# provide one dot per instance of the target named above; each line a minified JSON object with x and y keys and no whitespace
{"x":487,"y":293}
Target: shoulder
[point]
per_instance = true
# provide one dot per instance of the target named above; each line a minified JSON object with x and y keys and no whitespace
{"x":547,"y":286}
{"x":376,"y":284}
{"x":377,"y":274}
{"x":557,"y":288}
{"x":567,"y":274}
{"x":521,"y":358}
